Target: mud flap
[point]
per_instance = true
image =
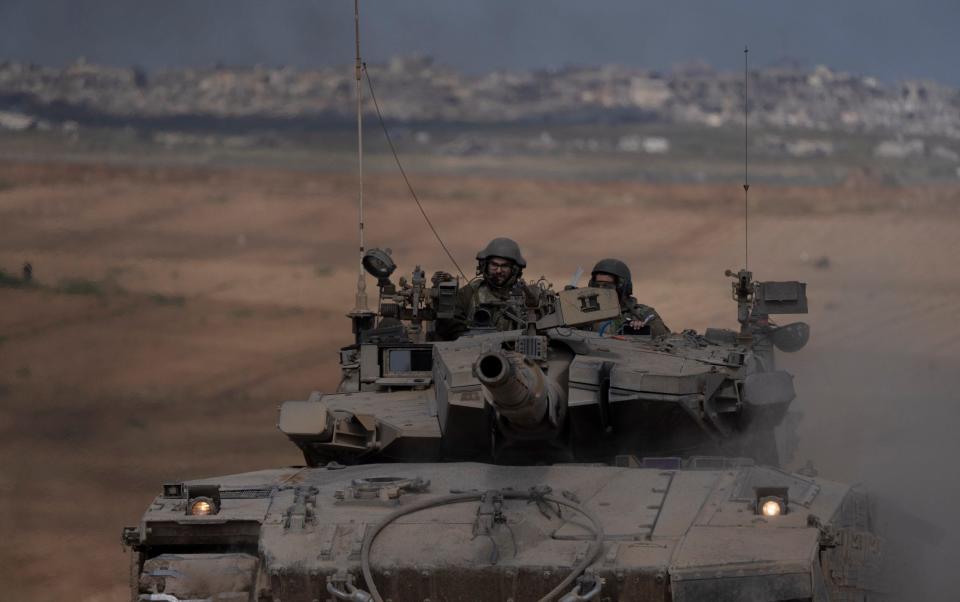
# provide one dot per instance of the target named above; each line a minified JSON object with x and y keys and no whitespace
{"x":853,"y":565}
{"x":215,"y":577}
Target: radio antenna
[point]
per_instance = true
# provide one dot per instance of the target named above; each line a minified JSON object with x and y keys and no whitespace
{"x":361,"y":301}
{"x":746,"y":170}
{"x":361,"y":315}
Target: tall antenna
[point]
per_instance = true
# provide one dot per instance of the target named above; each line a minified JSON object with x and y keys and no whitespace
{"x":361,"y":316}
{"x":361,"y":298}
{"x":746,"y":171}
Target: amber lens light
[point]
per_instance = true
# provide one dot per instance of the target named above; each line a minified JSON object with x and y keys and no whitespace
{"x":201,"y":507}
{"x":771,"y":508}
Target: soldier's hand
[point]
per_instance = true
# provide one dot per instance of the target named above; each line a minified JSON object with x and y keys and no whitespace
{"x":637,"y":324}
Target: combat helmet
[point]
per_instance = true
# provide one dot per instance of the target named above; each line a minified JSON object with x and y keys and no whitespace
{"x":506,"y":248}
{"x":502,"y":247}
{"x":615,"y":268}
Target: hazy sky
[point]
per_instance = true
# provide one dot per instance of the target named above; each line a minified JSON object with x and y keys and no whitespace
{"x":887,"y":38}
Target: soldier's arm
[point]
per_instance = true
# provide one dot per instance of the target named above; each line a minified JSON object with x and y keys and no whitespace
{"x":644,"y":319}
{"x":657,"y":326}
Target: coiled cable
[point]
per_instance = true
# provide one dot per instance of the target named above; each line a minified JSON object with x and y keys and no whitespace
{"x":457,"y":498}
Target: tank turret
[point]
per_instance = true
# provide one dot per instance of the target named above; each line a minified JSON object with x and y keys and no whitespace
{"x":556,"y":392}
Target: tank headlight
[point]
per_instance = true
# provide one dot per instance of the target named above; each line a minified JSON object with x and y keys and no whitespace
{"x":203,"y":500}
{"x":771,"y":501}
{"x":771,"y":507}
{"x":202,"y":506}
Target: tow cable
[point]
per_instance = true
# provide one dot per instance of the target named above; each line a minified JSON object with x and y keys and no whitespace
{"x":538,"y":495}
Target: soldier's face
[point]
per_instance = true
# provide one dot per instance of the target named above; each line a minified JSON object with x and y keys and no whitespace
{"x":601,"y":280}
{"x":499,"y":271}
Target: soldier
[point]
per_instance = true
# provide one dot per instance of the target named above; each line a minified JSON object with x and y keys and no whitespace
{"x":497,"y":298}
{"x":635,"y":318}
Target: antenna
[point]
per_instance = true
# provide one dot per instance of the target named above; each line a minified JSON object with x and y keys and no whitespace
{"x":362,"y":279}
{"x":361,"y":315}
{"x":746,"y":171}
{"x":743,"y":286}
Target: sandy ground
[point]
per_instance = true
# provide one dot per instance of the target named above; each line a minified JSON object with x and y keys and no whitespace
{"x":177,"y":307}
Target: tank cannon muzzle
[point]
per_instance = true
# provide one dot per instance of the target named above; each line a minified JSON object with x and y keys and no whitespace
{"x":519,"y":390}
{"x":493,"y":369}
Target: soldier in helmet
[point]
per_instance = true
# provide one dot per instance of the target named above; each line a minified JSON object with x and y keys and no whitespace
{"x":497,"y":297}
{"x":635,"y":318}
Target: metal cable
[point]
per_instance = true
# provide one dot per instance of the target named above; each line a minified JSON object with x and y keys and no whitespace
{"x":403,"y":172}
{"x":455,"y":498}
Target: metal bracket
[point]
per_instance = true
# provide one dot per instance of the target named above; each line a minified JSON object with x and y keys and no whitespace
{"x":587,"y":588}
{"x":533,"y":347}
{"x":168,"y":598}
{"x":327,"y":539}
{"x":341,"y":586}
{"x":381,"y":488}
{"x":301,"y":512}
{"x":489,"y":513}
{"x":359,"y":535}
{"x":604,"y":378}
{"x":130,"y":537}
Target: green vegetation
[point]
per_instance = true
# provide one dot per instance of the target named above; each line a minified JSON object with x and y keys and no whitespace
{"x":87,"y":287}
{"x":241,"y":312}
{"x":11,"y":281}
{"x":8,"y":281}
{"x":322,"y":271}
{"x":175,"y":300}
{"x":80,"y":286}
{"x":136,"y":423}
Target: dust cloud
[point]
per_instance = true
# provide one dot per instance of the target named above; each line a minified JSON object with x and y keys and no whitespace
{"x":878,"y":387}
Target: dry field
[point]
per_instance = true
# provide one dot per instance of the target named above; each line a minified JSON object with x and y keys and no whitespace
{"x":175,"y":307}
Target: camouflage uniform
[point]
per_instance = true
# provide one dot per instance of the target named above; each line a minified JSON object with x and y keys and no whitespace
{"x":653,"y":324}
{"x":513,"y":297}
{"x":631,"y":311}
{"x":498,"y":301}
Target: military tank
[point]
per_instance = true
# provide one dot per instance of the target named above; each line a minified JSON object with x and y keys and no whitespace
{"x":546,"y":462}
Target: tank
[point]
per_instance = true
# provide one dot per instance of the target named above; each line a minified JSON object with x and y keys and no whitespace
{"x":545,"y":462}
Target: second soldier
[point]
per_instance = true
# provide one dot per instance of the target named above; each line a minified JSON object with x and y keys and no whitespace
{"x":635,"y":318}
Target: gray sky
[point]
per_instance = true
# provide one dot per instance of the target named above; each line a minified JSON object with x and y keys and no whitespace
{"x":886,"y":38}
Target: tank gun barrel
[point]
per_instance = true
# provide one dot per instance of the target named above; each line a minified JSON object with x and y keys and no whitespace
{"x":519,"y":390}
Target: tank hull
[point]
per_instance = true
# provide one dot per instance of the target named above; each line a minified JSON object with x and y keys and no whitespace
{"x":668,"y":534}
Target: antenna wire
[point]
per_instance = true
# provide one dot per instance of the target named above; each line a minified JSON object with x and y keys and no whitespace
{"x":403,"y":172}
